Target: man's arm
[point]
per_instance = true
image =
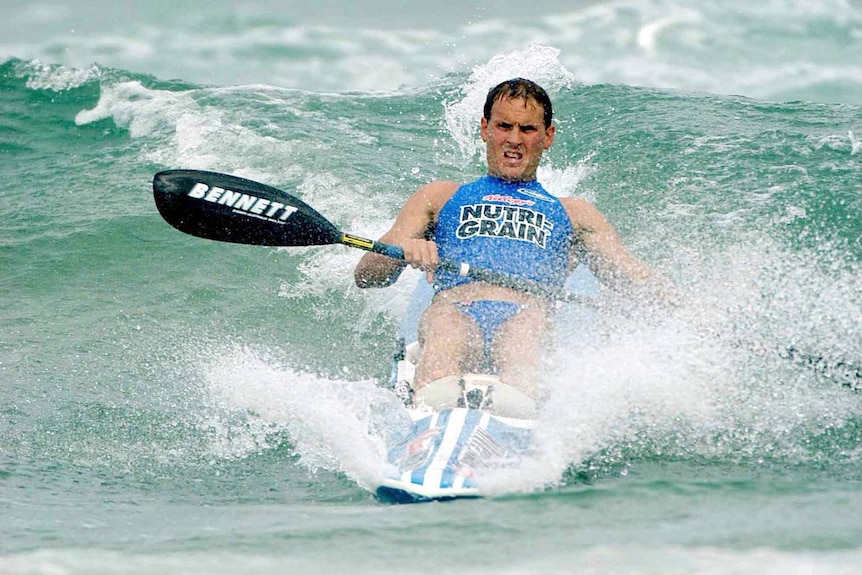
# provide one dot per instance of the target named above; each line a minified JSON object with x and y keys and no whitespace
{"x":408,"y":231}
{"x":607,"y":257}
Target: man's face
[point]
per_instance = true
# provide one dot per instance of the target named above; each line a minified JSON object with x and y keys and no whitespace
{"x":515,"y":137}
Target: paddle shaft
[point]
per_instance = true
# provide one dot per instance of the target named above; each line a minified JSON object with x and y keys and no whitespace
{"x":465,"y":269}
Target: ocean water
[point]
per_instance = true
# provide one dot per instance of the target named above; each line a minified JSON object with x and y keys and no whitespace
{"x":174,"y":405}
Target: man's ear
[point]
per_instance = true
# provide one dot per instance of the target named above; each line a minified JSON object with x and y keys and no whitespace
{"x":483,"y":129}
{"x":549,"y":135}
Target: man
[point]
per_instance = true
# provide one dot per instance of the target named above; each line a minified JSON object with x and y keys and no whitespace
{"x":505,"y":222}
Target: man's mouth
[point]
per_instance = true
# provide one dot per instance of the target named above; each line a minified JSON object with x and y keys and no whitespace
{"x":511,"y":155}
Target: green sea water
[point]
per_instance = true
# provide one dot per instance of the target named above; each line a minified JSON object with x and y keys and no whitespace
{"x":173,"y":405}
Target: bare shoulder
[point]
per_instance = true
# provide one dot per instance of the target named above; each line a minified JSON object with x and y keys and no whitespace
{"x":435,"y":194}
{"x":419,"y":211}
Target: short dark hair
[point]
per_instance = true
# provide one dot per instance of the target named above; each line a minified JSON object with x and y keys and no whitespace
{"x":520,"y":88}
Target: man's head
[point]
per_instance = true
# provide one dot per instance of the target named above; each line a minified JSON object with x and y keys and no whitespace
{"x":520,"y":89}
{"x":517,"y":129}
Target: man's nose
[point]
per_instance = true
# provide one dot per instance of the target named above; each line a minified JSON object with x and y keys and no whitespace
{"x":515,"y":135}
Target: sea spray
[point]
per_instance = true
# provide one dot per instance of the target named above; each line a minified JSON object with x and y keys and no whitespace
{"x":329,"y":422}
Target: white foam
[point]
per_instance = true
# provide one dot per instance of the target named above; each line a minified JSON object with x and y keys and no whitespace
{"x":720,"y":47}
{"x":711,"y":379}
{"x":661,"y":379}
{"x":329,"y":421}
{"x":142,"y":111}
{"x":55,"y":77}
{"x":648,"y":35}
{"x":565,"y":181}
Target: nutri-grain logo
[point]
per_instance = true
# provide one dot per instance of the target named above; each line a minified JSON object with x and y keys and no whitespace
{"x":510,"y":222}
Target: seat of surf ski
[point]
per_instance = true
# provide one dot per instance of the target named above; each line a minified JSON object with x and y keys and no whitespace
{"x":476,"y":391}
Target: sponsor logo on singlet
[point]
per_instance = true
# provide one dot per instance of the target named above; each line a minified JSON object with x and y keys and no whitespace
{"x":248,"y":204}
{"x":496,"y":221}
{"x":508,"y":199}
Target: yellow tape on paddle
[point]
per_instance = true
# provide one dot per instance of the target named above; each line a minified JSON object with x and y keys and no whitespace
{"x":357,"y":242}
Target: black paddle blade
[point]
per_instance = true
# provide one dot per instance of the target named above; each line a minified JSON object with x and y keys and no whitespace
{"x":230,"y":209}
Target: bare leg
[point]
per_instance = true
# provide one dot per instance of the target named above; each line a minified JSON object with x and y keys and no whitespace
{"x":519,"y":349}
{"x":449,"y":340}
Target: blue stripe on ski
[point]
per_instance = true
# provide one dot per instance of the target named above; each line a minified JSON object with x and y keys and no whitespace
{"x":472,"y":420}
{"x":418,"y":476}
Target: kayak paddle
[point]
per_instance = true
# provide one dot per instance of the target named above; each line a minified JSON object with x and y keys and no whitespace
{"x":232,"y":209}
{"x":228,"y":208}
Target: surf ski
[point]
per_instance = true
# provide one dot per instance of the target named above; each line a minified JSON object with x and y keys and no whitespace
{"x":468,"y":427}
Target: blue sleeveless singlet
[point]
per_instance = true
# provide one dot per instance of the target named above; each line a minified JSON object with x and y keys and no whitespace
{"x":516,"y":228}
